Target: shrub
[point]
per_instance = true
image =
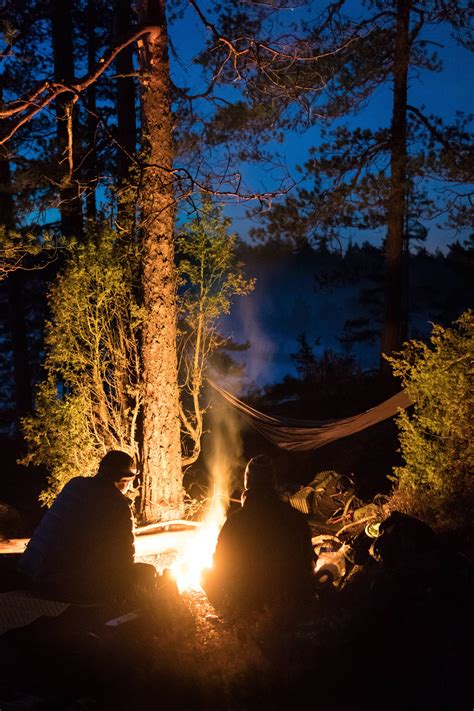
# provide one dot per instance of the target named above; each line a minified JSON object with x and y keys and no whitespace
{"x":90,"y":399}
{"x":436,"y":437}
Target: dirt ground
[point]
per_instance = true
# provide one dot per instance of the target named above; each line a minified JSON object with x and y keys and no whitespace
{"x":177,"y":652}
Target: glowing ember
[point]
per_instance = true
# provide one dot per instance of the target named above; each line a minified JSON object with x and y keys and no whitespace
{"x":198,"y":554}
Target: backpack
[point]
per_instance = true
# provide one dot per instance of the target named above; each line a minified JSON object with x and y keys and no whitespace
{"x":326,"y":499}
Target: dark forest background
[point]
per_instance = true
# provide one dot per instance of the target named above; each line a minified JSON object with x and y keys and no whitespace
{"x":246,"y":79}
{"x":309,"y":338}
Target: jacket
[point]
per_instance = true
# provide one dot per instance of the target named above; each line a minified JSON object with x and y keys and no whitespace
{"x":263,"y":554}
{"x":87,"y":533}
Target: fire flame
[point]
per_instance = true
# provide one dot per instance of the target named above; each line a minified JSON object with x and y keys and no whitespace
{"x":226,"y":449}
{"x":198,"y":554}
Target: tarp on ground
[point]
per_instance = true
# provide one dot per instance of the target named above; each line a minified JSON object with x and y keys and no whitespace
{"x":305,"y":435}
{"x":19,"y":608}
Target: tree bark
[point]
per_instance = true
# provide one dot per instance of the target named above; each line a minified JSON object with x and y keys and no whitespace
{"x":162,"y":491}
{"x":126,"y":120}
{"x":394,"y":328}
{"x":91,"y":105}
{"x":61,"y":27}
{"x":16,"y":310}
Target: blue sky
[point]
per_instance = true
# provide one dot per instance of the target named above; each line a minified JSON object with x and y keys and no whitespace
{"x":442,"y":94}
{"x":260,"y":317}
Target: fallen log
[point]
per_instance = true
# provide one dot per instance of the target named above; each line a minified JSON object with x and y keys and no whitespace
{"x":174,"y":525}
{"x":149,"y":540}
{"x":156,"y":539}
{"x":13,"y":545}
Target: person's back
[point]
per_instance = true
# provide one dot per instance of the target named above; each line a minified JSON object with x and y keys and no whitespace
{"x":264,"y":552}
{"x":84,"y":545}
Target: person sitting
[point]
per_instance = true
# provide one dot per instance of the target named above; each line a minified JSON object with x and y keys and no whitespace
{"x":264,"y":554}
{"x":83,"y":548}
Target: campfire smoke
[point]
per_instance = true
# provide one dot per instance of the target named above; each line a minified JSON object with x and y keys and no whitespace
{"x":223,"y":461}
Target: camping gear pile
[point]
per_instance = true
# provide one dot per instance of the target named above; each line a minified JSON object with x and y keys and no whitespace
{"x":329,"y":501}
{"x":359,"y":545}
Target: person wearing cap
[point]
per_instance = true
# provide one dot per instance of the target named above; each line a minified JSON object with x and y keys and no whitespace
{"x":83,"y":548}
{"x":264,"y":554}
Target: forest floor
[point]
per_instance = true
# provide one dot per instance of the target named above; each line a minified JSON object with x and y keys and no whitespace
{"x":400,"y":650}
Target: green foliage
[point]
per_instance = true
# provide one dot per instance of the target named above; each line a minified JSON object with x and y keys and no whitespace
{"x":17,"y":251}
{"x":209,"y":277}
{"x":58,"y":436}
{"x":90,"y":399}
{"x":437,"y":438}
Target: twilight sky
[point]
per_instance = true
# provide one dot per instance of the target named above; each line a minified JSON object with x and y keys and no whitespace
{"x":441,"y":94}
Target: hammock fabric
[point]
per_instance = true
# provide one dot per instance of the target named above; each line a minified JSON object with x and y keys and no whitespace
{"x":305,"y":435}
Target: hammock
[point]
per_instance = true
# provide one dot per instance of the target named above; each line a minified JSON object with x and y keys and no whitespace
{"x":305,"y":435}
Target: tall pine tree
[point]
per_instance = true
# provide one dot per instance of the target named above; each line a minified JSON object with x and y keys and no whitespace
{"x":377,"y":178}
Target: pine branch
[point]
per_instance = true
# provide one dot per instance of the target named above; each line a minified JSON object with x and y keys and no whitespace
{"x":432,"y":129}
{"x":35,"y":103}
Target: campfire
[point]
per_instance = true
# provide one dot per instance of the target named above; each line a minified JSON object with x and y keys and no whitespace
{"x":192,"y":544}
{"x":185,"y":547}
{"x":198,"y":553}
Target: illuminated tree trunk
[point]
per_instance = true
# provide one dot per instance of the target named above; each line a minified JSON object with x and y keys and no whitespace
{"x":394,"y":329}
{"x":162,"y":493}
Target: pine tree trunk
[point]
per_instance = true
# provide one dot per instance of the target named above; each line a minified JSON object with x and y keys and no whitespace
{"x":16,"y":310}
{"x":90,"y":167}
{"x":394,"y":328}
{"x":162,"y":492}
{"x":126,"y":120}
{"x":61,"y":28}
